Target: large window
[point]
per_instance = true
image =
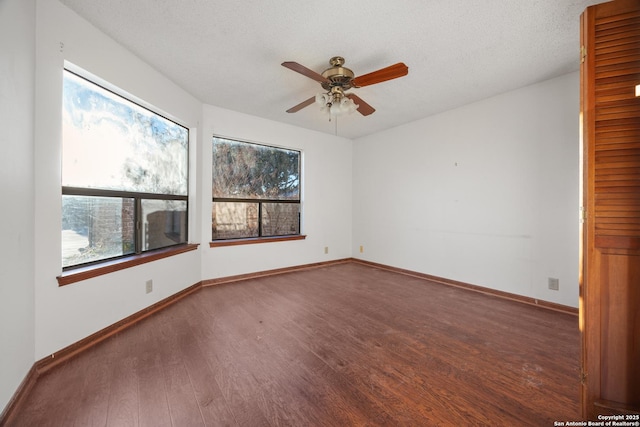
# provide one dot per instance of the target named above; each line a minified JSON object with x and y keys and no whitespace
{"x":256,"y":190}
{"x":124,"y":176}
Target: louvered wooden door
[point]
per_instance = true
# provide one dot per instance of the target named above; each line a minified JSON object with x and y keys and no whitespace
{"x":610,"y":285}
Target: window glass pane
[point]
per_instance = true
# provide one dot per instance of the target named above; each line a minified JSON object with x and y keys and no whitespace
{"x":233,"y":220}
{"x":250,"y":171}
{"x":164,"y":223}
{"x":111,"y":143}
{"x":280,"y":219}
{"x":96,"y":228}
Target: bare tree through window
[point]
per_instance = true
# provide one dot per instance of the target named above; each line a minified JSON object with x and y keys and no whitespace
{"x":256,"y":190}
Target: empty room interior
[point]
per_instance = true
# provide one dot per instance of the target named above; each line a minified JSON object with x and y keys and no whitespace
{"x":349,"y":213}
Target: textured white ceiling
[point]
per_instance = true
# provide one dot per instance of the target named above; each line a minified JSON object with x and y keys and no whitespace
{"x":228,"y":53}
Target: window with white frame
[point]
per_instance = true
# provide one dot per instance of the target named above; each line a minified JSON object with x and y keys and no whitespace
{"x":256,"y":190}
{"x":124,"y":176}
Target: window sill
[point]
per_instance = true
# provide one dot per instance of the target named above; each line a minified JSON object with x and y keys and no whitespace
{"x":84,"y":273}
{"x":254,"y":240}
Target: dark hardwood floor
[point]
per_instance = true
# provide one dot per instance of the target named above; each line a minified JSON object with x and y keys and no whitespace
{"x":341,"y":345}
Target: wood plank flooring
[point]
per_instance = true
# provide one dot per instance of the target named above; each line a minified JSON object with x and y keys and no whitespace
{"x":342,"y":345}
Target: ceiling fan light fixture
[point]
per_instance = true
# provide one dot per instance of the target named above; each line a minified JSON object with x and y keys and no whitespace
{"x":336,"y":109}
{"x":335,"y":103}
{"x":347,"y":105}
{"x":323,"y":100}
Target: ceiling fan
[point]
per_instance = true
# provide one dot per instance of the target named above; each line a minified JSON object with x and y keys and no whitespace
{"x":337,"y":79}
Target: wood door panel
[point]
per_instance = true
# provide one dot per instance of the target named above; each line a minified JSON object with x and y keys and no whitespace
{"x":620,"y":305}
{"x":610,"y":247}
{"x":615,"y":161}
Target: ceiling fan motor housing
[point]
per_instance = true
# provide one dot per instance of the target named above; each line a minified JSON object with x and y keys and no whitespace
{"x":337,"y":75}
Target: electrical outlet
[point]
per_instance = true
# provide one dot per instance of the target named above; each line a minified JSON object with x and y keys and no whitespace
{"x":361,"y":249}
{"x":326,"y":249}
{"x":149,"y":286}
{"x":554,"y":284}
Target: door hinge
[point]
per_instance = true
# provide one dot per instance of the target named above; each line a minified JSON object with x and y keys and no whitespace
{"x":583,"y":54}
{"x":583,"y":214}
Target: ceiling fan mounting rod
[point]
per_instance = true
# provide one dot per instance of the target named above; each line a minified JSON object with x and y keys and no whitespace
{"x":337,"y":61}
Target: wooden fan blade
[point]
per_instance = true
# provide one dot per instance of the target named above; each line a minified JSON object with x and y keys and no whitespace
{"x":305,"y":71}
{"x":363,"y":108}
{"x":382,"y":75}
{"x":302,"y":105}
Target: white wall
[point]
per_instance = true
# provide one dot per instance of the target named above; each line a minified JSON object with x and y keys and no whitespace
{"x":485,"y":194}
{"x":67,"y":314}
{"x":326,"y":196}
{"x":17,"y":68}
